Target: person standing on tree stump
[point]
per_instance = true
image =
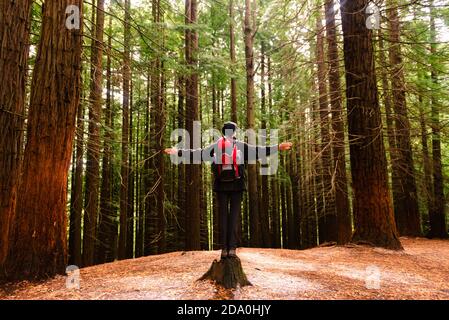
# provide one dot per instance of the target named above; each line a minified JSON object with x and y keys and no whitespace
{"x":228,"y":157}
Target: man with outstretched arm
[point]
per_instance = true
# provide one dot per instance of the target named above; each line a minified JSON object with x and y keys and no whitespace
{"x":228,"y":157}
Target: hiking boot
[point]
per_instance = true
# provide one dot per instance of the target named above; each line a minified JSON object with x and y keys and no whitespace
{"x":232,"y":253}
{"x":224,"y":253}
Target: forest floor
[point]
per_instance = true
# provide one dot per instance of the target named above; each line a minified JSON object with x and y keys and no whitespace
{"x":421,"y":271}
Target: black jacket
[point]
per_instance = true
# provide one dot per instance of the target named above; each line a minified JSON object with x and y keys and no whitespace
{"x":248,"y":151}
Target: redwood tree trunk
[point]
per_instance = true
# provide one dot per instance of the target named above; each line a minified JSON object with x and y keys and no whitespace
{"x":181,"y":170}
{"x":159,"y":125}
{"x":275,"y":215}
{"x":253,"y":194}
{"x":294,"y":222}
{"x":284,"y":213}
{"x":344,"y":227}
{"x":313,"y":202}
{"x":391,"y":134}
{"x":107,"y":214}
{"x":140,"y":191}
{"x":273,"y":203}
{"x":233,"y":61}
{"x":131,"y":179}
{"x":374,"y":219}
{"x":328,"y":227}
{"x":215,"y":217}
{"x":406,"y":200}
{"x":76,"y":210}
{"x":14,"y":36}
{"x":125,"y":137}
{"x":437,"y":215}
{"x":426,"y":157}
{"x":193,"y":171}
{"x":265,"y":227}
{"x":147,"y":180}
{"x":39,"y":239}
{"x":93,"y":144}
{"x":152,"y":196}
{"x":316,"y":175}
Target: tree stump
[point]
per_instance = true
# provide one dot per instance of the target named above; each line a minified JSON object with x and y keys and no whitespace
{"x":227,"y":272}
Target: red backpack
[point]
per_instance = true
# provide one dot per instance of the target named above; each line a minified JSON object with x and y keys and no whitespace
{"x":227,"y":169}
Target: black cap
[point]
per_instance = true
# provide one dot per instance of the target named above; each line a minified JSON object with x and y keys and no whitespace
{"x":229,"y":127}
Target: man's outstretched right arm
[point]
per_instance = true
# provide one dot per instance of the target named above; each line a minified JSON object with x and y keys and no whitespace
{"x":191,"y":156}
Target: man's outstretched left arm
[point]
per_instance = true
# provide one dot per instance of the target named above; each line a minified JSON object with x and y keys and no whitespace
{"x":252,"y":152}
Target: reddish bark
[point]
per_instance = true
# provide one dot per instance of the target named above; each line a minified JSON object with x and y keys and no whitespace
{"x":193,"y":171}
{"x":14,"y":36}
{"x":93,"y":142}
{"x":124,"y":171}
{"x":39,"y":242}
{"x":344,"y":227}
{"x":373,"y":212}
{"x":405,"y":198}
{"x":253,"y":195}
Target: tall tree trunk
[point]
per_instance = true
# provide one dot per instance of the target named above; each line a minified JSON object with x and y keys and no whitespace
{"x":294,"y":221}
{"x":233,"y":61}
{"x":93,"y":142}
{"x":38,"y":245}
{"x":215,"y":218}
{"x":302,"y":183}
{"x":396,"y":183}
{"x":387,"y":101}
{"x":317,"y":176}
{"x":275,"y":215}
{"x":437,"y":217}
{"x":162,"y":244}
{"x":74,"y":251}
{"x":291,"y":222}
{"x":113,"y":229}
{"x":181,"y":169}
{"x":274,"y":202}
{"x":125,"y":132}
{"x":131,"y":180}
{"x":406,"y":202}
{"x":254,"y":219}
{"x":193,"y":171}
{"x":14,"y":47}
{"x":140,"y":195}
{"x":204,"y":239}
{"x":159,"y":125}
{"x":284,"y":213}
{"x":310,"y":219}
{"x":340,"y":186}
{"x":155,"y":82}
{"x":265,"y":227}
{"x":373,"y":213}
{"x":328,"y":229}
{"x":106,"y":206}
{"x":426,"y":156}
{"x":147,"y":181}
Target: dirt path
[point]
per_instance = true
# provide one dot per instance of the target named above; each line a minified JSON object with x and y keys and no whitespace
{"x":420,"y":272}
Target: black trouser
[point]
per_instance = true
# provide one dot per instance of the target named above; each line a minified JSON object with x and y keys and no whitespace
{"x":229,"y":206}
